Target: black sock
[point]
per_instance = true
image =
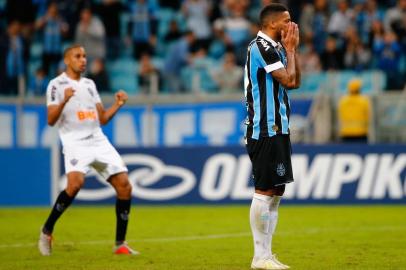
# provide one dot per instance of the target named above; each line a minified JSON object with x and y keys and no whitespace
{"x":62,"y":202}
{"x":122,"y":213}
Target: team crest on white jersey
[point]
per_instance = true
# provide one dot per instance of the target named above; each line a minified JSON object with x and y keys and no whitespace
{"x":73,"y":161}
{"x":280,"y":169}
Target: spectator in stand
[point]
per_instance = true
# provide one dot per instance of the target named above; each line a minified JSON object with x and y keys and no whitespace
{"x":340,"y":20}
{"x":354,"y":114}
{"x":235,"y":30}
{"x":99,"y":75}
{"x":22,"y":11}
{"x":147,"y":73}
{"x":38,"y":84}
{"x":13,"y":59}
{"x":309,"y":59}
{"x":395,"y":16}
{"x":364,"y":19}
{"x":109,"y":12}
{"x":143,"y":27}
{"x":357,"y":56}
{"x":53,"y":28}
{"x":332,"y":57}
{"x":197,"y":14}
{"x":70,"y":12}
{"x":395,"y":20}
{"x":197,"y":75}
{"x":90,"y":33}
{"x":377,"y":32}
{"x":173,"y":33}
{"x":176,"y":58}
{"x":229,"y":76}
{"x":313,"y":23}
{"x":387,"y":52}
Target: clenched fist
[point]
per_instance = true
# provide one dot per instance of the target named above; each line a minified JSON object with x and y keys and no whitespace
{"x":121,"y":97}
{"x":69,"y":92}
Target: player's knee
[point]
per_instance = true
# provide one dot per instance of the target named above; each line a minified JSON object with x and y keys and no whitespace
{"x":127,"y":187}
{"x":124,"y":188}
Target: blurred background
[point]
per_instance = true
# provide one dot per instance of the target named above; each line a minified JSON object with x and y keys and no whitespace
{"x":182,"y":63}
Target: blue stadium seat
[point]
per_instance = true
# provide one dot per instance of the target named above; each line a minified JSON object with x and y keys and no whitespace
{"x":123,"y":74}
{"x":190,"y":73}
{"x":312,"y":82}
{"x":372,"y":81}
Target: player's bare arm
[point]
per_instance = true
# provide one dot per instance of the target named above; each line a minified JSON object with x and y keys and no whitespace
{"x":288,"y":76}
{"x":54,"y":111}
{"x":105,"y":115}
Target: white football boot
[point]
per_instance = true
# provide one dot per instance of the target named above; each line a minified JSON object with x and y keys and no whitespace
{"x":45,"y":244}
{"x":281,"y":264}
{"x":266,"y":264}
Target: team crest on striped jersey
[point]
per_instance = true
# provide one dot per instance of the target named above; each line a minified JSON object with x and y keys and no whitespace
{"x":280,"y":169}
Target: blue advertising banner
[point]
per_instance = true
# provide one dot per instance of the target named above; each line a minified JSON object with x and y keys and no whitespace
{"x":338,"y":174}
{"x":26,"y":177}
{"x":333,"y":174}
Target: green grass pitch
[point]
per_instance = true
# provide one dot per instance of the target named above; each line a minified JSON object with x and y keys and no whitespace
{"x":202,"y":237}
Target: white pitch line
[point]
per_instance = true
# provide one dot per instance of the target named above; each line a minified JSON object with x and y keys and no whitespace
{"x":166,"y":239}
{"x":217,"y":236}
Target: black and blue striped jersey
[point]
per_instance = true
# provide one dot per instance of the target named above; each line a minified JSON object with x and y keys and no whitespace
{"x":267,"y":101}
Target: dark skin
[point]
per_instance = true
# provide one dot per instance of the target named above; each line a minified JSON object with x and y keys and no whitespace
{"x":75,"y":61}
{"x":280,"y":28}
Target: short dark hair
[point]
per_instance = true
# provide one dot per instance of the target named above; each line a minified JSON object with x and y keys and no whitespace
{"x":269,"y":11}
{"x":71,"y":47}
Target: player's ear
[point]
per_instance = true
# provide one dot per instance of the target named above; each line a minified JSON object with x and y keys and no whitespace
{"x":272,"y":24}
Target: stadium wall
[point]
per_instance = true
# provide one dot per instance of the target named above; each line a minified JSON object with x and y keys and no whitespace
{"x":333,"y":174}
{"x":214,"y":123}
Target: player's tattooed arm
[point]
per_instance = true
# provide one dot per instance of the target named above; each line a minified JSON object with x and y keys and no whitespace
{"x":54,"y":111}
{"x":105,"y":115}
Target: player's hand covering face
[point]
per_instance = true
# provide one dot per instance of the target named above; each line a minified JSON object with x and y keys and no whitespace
{"x":290,"y":36}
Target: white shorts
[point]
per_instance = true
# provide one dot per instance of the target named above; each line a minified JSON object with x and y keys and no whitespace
{"x":97,"y":153}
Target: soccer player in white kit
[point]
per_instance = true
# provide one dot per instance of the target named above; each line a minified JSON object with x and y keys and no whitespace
{"x":74,"y":105}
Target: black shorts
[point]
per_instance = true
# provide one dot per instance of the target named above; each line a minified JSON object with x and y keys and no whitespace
{"x":271,"y":161}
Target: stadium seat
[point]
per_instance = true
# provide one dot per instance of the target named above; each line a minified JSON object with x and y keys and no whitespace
{"x":123,"y":74}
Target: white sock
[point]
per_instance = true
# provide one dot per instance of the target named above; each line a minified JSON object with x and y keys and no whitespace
{"x":273,"y":218}
{"x":260,"y":225}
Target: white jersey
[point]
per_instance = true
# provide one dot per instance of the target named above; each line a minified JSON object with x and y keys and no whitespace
{"x":79,"y":118}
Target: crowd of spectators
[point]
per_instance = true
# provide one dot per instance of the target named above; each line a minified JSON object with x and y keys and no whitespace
{"x":202,"y":37}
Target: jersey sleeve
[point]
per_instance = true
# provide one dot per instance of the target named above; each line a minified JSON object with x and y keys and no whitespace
{"x":270,"y":57}
{"x":53,"y":96}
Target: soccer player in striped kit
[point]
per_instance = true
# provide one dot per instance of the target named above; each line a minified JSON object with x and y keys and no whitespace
{"x":271,"y":69}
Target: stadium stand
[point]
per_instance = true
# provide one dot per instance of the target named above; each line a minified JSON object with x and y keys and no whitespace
{"x":369,"y":43}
